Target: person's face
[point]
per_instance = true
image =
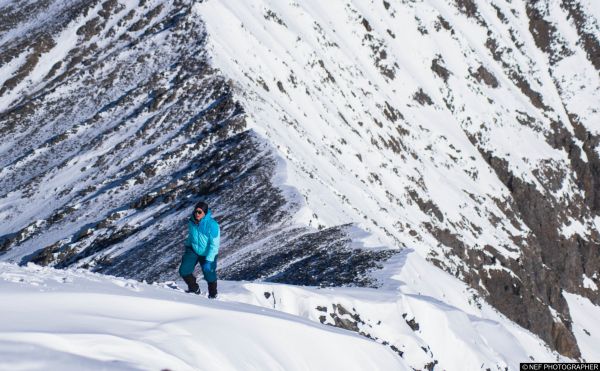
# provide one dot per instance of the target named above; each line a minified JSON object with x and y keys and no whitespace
{"x":198,"y":214}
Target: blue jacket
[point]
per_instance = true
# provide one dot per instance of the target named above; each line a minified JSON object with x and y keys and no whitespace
{"x":204,"y":237}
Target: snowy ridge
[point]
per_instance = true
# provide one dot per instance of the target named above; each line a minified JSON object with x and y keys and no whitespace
{"x":95,"y":317}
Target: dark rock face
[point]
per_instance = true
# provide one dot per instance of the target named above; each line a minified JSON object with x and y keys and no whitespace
{"x":550,"y":261}
{"x":561,"y":261}
{"x":437,"y":66}
{"x":299,"y":256}
{"x":485,"y":76}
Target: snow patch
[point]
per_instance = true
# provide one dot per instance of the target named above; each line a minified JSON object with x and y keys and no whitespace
{"x":586,"y":326}
{"x":588,"y":283}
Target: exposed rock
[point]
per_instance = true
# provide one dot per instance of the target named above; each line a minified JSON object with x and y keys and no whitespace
{"x":591,"y":44}
{"x":411,"y":323}
{"x":439,"y":69}
{"x":421,"y":97}
{"x":485,"y":76}
{"x":545,"y":34}
{"x":299,"y":256}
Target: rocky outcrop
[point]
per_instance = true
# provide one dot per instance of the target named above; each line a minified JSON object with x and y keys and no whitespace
{"x":299,"y":256}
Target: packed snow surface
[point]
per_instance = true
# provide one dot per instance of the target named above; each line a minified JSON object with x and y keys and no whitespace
{"x":65,"y":320}
{"x":73,"y":318}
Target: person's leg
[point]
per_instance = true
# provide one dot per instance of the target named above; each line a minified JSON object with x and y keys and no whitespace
{"x":210,"y":275}
{"x":186,"y":269}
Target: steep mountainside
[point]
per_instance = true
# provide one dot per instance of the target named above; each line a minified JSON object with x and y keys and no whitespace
{"x":108,"y":142}
{"x":328,"y":136}
{"x":467,"y":130}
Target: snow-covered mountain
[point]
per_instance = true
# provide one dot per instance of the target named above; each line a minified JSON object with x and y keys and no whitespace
{"x":333,"y":139}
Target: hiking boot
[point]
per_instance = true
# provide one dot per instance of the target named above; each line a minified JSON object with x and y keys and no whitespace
{"x":197,"y":292}
{"x":193,"y":287}
{"x":212,"y":290}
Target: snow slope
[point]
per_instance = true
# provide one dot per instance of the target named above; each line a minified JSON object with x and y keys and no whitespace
{"x":434,"y":320}
{"x":333,"y":86}
{"x":75,"y":320}
{"x":586,"y":325}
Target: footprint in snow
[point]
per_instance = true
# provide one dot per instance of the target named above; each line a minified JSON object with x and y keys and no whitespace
{"x":128,"y":285}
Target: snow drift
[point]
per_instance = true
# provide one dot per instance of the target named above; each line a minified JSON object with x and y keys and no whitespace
{"x":75,"y":320}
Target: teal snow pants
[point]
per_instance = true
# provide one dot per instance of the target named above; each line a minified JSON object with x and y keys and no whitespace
{"x":189,"y":261}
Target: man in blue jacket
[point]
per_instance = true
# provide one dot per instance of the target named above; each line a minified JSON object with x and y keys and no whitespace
{"x":201,"y":246}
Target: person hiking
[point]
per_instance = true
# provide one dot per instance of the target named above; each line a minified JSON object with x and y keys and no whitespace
{"x":201,"y":246}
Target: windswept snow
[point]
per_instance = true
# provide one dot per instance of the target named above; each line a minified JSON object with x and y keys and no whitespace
{"x":75,"y":320}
